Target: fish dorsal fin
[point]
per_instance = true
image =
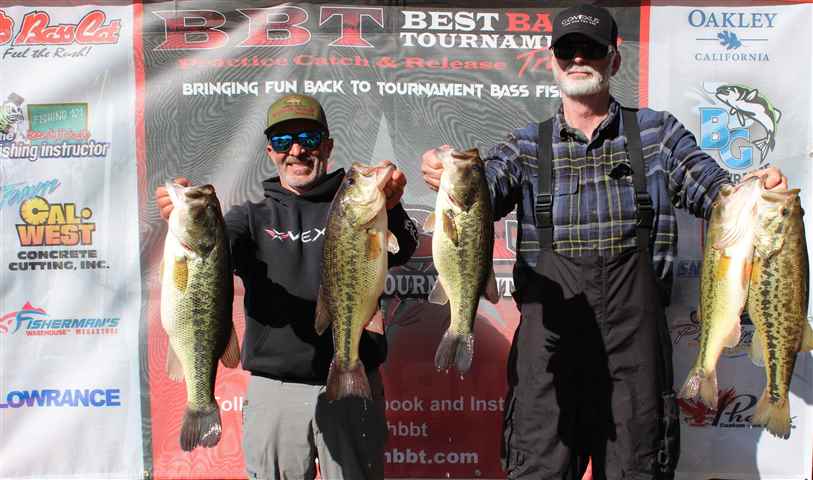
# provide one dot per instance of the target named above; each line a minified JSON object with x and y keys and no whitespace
{"x":392,"y":243}
{"x":756,"y":355}
{"x":438,"y":294}
{"x":323,"y":319}
{"x":491,"y":293}
{"x":807,"y":338}
{"x":449,"y":227}
{"x":231,"y":356}
{"x":429,"y":223}
{"x":174,"y":367}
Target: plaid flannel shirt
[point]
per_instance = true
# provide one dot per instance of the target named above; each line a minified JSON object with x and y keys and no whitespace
{"x":594,"y":209}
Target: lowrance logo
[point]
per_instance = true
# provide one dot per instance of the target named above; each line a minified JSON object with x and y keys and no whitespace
{"x":90,"y":398}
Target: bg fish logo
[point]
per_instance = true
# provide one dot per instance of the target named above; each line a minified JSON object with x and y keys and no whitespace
{"x":748,"y":104}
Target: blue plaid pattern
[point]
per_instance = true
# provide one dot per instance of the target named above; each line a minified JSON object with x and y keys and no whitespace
{"x":593,"y":194}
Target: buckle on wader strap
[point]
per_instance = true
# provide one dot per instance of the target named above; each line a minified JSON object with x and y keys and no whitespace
{"x":646,"y":214}
{"x":544,"y":210}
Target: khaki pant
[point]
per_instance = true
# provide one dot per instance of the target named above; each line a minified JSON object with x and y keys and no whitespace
{"x":286,"y":426}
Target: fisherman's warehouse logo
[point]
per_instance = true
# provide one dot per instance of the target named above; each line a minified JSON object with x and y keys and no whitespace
{"x":35,"y":321}
{"x":741,"y":126}
{"x":731,"y":36}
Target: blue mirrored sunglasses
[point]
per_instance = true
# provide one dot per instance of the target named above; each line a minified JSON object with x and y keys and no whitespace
{"x":309,"y":140}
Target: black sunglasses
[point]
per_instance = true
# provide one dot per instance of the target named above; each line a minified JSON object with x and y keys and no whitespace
{"x":588,"y":50}
{"x":308,"y":139}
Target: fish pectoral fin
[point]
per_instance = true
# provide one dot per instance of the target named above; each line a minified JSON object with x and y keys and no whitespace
{"x":373,"y":246}
{"x":807,"y":338}
{"x":429,"y":223}
{"x":180,"y":273}
{"x":392,"y":243}
{"x":438,"y":294}
{"x":174,"y":367}
{"x":323,"y":319}
{"x":449,"y":227}
{"x":755,"y":353}
{"x":231,"y":356}
{"x":491,"y":293}
{"x":376,"y":323}
{"x":733,"y":338}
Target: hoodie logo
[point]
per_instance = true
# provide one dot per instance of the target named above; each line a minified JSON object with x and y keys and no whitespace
{"x":306,"y":236}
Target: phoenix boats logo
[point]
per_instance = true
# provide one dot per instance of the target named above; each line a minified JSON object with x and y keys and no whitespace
{"x":305,"y":236}
{"x":741,"y":126}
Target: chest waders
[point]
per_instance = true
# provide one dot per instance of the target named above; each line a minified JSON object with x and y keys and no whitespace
{"x":590,"y":367}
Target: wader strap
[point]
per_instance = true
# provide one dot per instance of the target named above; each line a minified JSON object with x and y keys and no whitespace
{"x":544,"y":199}
{"x":643,"y":202}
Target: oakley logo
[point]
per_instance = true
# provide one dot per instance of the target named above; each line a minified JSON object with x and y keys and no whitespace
{"x":580,"y":19}
{"x":305,"y":237}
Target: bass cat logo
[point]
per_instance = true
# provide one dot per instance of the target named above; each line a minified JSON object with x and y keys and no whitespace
{"x":742,"y":120}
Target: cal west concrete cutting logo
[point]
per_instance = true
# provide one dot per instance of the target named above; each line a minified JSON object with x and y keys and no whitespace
{"x":35,"y":321}
{"x":48,"y":130}
{"x":55,"y":236}
{"x":732,"y":36}
{"x":740,"y":127}
{"x":39,"y":37}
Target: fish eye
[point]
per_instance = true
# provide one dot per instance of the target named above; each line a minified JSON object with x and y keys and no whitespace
{"x":785,"y":212}
{"x":350,"y":181}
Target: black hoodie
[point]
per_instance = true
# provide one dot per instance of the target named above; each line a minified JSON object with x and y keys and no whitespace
{"x":277,"y":251}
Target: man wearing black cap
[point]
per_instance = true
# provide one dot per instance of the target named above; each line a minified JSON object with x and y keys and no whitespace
{"x":276,"y":247}
{"x":595,"y":187}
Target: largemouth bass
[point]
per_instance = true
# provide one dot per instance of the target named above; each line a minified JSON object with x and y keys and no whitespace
{"x":354,"y":269}
{"x":196,"y":313}
{"x":462,"y":251}
{"x":777,"y":304}
{"x":724,"y":280}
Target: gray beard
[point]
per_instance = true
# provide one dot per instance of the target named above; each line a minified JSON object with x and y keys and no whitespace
{"x":599,"y":82}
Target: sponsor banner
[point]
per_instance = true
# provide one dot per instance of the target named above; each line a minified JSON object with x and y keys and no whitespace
{"x":394,"y":82}
{"x":716,"y":71}
{"x":70,"y":262}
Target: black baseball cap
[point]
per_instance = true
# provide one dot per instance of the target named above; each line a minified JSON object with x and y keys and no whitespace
{"x":591,"y":21}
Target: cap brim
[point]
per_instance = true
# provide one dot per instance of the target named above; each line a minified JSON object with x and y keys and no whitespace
{"x":592,"y":36}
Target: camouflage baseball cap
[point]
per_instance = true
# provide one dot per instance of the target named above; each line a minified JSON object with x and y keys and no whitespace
{"x":295,"y":107}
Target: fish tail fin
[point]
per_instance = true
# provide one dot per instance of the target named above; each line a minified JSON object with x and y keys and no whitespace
{"x":347,"y":382}
{"x":773,"y":414}
{"x":455,"y":349}
{"x":200,"y":428}
{"x":701,"y":384}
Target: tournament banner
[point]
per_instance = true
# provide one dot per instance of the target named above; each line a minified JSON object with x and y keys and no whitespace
{"x":394,"y":81}
{"x":733,"y":76}
{"x":70,"y":275}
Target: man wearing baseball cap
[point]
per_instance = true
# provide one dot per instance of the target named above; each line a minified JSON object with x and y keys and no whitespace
{"x":595,"y":188}
{"x":276,"y":247}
